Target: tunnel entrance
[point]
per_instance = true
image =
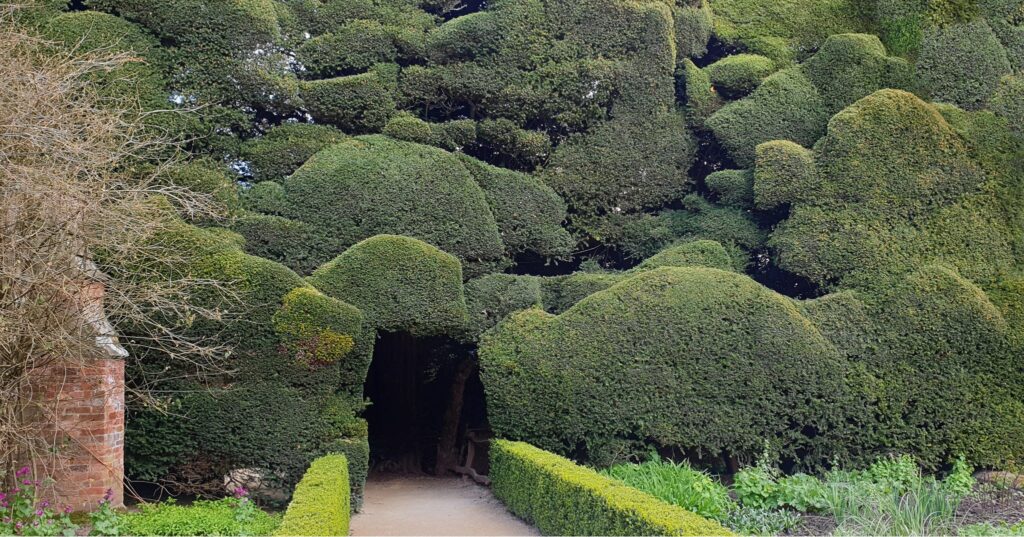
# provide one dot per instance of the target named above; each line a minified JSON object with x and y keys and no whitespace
{"x":426,"y":399}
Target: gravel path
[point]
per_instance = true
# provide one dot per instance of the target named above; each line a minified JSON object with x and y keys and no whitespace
{"x":419,"y":505}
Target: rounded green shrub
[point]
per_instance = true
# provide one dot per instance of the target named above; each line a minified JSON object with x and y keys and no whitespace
{"x":784,"y":173}
{"x":491,"y":298}
{"x":694,"y":25}
{"x":410,"y":128}
{"x":785,"y":106}
{"x":513,"y":146}
{"x":702,"y":100}
{"x":293,"y":243}
{"x":356,"y":104}
{"x":734,"y":188}
{"x":962,"y":64}
{"x":284,"y":148}
{"x":700,"y":253}
{"x":1004,"y":18}
{"x":367,"y":186}
{"x":466,"y":37}
{"x":737,"y":75}
{"x":626,"y":164}
{"x":353,"y":48}
{"x":560,"y":293}
{"x":648,"y":361}
{"x":701,"y":219}
{"x":851,"y":66}
{"x":317,"y":329}
{"x":400,"y":284}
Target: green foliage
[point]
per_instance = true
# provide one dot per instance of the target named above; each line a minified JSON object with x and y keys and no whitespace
{"x":962,"y":64}
{"x":284,"y":148}
{"x":734,"y":188}
{"x":372,"y":185}
{"x":512,"y":146}
{"x":762,"y":522}
{"x":784,"y":173}
{"x":399,"y":283}
{"x":861,"y":509}
{"x":529,"y":213}
{"x":785,"y":29}
{"x":1008,"y":102}
{"x":562,"y":292}
{"x":204,"y":177}
{"x":701,"y":98}
{"x":356,"y":104}
{"x":960,"y":480}
{"x":700,"y":253}
{"x":493,"y":297}
{"x":292,"y":243}
{"x":562,"y":498}
{"x":320,"y":505}
{"x":626,"y":164}
{"x":694,"y":25}
{"x":702,"y":219}
{"x":202,"y":517}
{"x":987,"y":529}
{"x":785,"y":106}
{"x":737,"y":75}
{"x":677,"y":484}
{"x":632,"y":361}
{"x":317,"y":329}
{"x":851,"y":66}
{"x":352,"y":49}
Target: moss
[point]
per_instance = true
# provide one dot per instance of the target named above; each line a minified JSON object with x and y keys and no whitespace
{"x":962,"y":64}
{"x":785,"y":173}
{"x":700,"y":253}
{"x":284,"y":148}
{"x":399,"y":283}
{"x":366,"y":186}
{"x":626,"y":164}
{"x":562,"y":498}
{"x":351,"y":49}
{"x":785,"y":106}
{"x":529,"y":213}
{"x":851,"y":66}
{"x":356,"y":104}
{"x":321,"y":504}
{"x":734,"y":188}
{"x":737,"y":75}
{"x":636,"y":360}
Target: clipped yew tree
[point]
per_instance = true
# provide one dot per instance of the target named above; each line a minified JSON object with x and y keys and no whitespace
{"x":400,"y":284}
{"x":647,"y":361}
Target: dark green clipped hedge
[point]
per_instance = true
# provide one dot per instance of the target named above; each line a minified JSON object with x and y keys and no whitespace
{"x":284,"y":148}
{"x":529,"y":213}
{"x":560,"y":293}
{"x":897,"y":187}
{"x":399,"y":283}
{"x":643,"y":363}
{"x":293,"y":243}
{"x":353,"y":48}
{"x":785,"y":106}
{"x":625,"y":164}
{"x":372,"y":185}
{"x":356,"y":104}
{"x":1008,"y":102}
{"x":701,"y":219}
{"x":563,"y":498}
{"x":737,"y":75}
{"x":701,"y":98}
{"x":961,"y":64}
{"x":785,"y":173}
{"x":321,"y":504}
{"x":733,"y":187}
{"x":694,"y":25}
{"x":493,"y":297}
{"x":701,"y":253}
{"x":851,"y":66}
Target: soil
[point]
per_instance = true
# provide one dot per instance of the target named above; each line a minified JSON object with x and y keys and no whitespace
{"x":397,"y":504}
{"x":989,"y":504}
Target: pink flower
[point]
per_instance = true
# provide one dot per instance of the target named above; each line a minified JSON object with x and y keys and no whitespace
{"x":23,"y":471}
{"x":240,"y":492}
{"x":109,"y":495}
{"x":26,"y":481}
{"x":68,"y":509}
{"x":44,"y":504}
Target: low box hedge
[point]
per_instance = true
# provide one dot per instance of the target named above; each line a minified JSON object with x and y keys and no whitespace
{"x":321,"y":502}
{"x":562,"y":498}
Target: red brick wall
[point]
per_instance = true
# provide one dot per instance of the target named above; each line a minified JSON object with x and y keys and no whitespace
{"x":85,"y":405}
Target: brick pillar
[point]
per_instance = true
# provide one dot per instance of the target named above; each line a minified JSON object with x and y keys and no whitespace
{"x":85,"y":403}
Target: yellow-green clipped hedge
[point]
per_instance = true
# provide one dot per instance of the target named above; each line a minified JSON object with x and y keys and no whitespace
{"x":320,"y":505}
{"x":562,"y":498}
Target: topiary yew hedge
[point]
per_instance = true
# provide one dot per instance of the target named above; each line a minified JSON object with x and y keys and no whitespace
{"x":321,"y":503}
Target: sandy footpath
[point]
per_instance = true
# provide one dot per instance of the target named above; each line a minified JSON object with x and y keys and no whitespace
{"x":420,"y":505}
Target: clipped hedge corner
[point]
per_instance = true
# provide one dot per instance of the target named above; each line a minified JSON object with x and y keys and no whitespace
{"x":563,"y":498}
{"x":320,"y":505}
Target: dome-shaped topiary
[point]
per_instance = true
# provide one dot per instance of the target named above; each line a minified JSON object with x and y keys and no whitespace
{"x":399,"y":283}
{"x":961,"y":64}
